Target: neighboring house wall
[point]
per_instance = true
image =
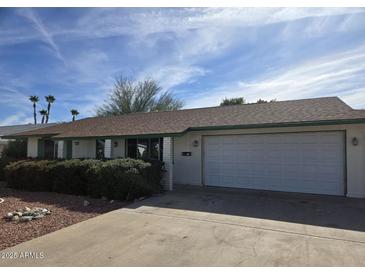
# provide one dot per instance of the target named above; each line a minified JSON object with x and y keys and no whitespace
{"x":119,"y":150}
{"x":355,"y":155}
{"x":84,"y":149}
{"x":32,"y":147}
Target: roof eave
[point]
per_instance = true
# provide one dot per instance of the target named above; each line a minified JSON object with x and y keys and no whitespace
{"x":286,"y":124}
{"x":23,"y":136}
{"x":153,"y":135}
{"x":176,"y":134}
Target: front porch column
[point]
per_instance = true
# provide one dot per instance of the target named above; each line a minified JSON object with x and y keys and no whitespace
{"x":32,"y":147}
{"x":168,"y":157}
{"x":108,"y":148}
{"x":61,"y":150}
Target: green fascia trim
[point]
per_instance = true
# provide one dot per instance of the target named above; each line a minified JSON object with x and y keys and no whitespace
{"x":68,"y":149}
{"x":44,"y":136}
{"x":119,"y":136}
{"x":40,"y":148}
{"x":293,"y":124}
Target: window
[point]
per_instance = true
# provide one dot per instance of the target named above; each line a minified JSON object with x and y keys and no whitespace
{"x":100,"y":145}
{"x":155,"y":148}
{"x":49,"y":149}
{"x":132,"y":148}
{"x":145,"y":148}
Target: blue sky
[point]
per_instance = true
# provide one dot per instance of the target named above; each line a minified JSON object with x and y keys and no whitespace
{"x":201,"y":54}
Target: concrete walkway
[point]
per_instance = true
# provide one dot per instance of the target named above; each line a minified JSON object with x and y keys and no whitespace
{"x":189,"y":228}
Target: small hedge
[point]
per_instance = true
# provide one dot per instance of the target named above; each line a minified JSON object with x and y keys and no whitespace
{"x":4,"y":161}
{"x":119,"y":179}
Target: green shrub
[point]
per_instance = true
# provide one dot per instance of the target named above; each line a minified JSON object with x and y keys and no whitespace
{"x":16,"y":149}
{"x":31,"y":175}
{"x":120,"y":179}
{"x":3,"y":162}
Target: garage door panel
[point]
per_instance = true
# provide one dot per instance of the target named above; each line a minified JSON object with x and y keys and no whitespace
{"x":299,"y":162}
{"x":212,"y":180}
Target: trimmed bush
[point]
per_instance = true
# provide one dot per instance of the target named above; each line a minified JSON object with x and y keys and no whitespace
{"x":16,"y":149}
{"x":120,"y":179}
{"x":3,"y":162}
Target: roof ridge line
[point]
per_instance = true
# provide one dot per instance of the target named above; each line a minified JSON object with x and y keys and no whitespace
{"x":212,"y":107}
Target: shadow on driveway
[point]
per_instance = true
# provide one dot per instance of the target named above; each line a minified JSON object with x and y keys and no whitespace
{"x":317,"y":210}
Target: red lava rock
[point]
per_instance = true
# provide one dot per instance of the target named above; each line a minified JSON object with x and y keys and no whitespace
{"x":66,"y":210}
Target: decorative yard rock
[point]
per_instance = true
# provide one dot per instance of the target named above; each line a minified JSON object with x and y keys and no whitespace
{"x":39,"y":216}
{"x":86,"y":203}
{"x":15,"y":218}
{"x":27,"y":214}
{"x":26,"y":218}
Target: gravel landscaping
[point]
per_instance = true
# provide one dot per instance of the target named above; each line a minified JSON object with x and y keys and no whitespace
{"x":64,"y":210}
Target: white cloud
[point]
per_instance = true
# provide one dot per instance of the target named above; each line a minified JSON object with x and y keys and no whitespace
{"x":171,"y":76}
{"x":12,"y":97}
{"x":16,"y":119}
{"x":180,"y":42}
{"x":112,"y":22}
{"x":90,"y":66}
{"x":31,"y":15}
{"x":340,"y":75}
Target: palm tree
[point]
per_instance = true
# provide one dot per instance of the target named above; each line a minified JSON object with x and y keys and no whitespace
{"x":74,"y":113}
{"x":34,"y":99}
{"x":43,"y":112}
{"x":50,"y":99}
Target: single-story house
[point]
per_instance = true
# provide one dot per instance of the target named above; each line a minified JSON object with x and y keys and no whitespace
{"x":9,"y":130}
{"x":309,"y":146}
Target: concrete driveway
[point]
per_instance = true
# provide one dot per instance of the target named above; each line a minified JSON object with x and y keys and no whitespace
{"x":212,"y":227}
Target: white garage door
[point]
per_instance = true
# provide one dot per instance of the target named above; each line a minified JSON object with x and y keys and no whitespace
{"x":297,"y":162}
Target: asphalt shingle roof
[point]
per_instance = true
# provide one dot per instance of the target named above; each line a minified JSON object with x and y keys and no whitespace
{"x":9,"y":130}
{"x":306,"y":111}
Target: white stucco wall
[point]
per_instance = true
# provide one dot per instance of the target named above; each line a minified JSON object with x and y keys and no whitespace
{"x":32,"y":147}
{"x":355,"y":163}
{"x":61,"y":149}
{"x":119,"y":150}
{"x":192,"y":163}
{"x":188,"y":169}
{"x":168,"y":158}
{"x":85,"y":149}
{"x":108,"y":148}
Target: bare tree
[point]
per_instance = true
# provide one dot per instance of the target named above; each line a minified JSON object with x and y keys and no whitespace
{"x":129,"y":96}
{"x":233,"y":101}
